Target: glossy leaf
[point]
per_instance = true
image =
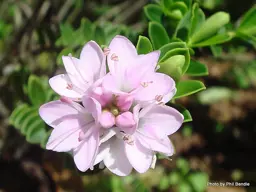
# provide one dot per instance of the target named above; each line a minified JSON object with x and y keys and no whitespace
{"x":197,"y":19}
{"x":158,"y":35}
{"x":183,"y":29}
{"x":247,"y":24}
{"x":178,"y":51}
{"x":144,"y":45}
{"x":188,"y":87}
{"x":210,"y":27}
{"x":170,"y":46}
{"x":173,"y":66}
{"x":153,"y":12}
{"x":217,"y":39}
{"x":183,"y":111}
{"x":36,"y":91}
{"x":197,"y":69}
{"x":28,"y":121}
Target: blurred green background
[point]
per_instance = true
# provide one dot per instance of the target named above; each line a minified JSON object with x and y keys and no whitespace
{"x":219,"y":145}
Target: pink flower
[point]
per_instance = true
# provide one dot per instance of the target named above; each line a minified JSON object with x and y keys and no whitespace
{"x":76,"y":129}
{"x":136,"y":147}
{"x":133,"y":74}
{"x":81,"y":73}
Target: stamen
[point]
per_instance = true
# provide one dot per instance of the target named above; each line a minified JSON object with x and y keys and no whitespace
{"x":69,"y":86}
{"x":81,"y":136}
{"x":157,"y":67}
{"x":128,"y":139}
{"x":145,"y":84}
{"x":153,"y":163}
{"x":106,"y":51}
{"x":159,"y":98}
{"x":114,"y":57}
{"x":65,"y":100}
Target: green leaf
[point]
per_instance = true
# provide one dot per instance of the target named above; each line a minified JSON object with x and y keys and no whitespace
{"x":153,"y":12}
{"x":215,"y":94}
{"x":28,"y":121}
{"x":16,"y":113}
{"x":216,"y":50}
{"x":18,"y":121}
{"x":183,"y":29}
{"x":188,"y":87}
{"x":175,"y":177}
{"x":45,"y":139}
{"x":197,"y":19}
{"x":173,"y":66}
{"x":158,"y":35}
{"x":36,"y":132}
{"x":184,"y":186}
{"x":178,"y":51}
{"x":183,"y":165}
{"x":186,"y":114}
{"x":197,"y":69}
{"x":144,"y":45}
{"x":181,"y":6}
{"x":198,"y":181}
{"x":100,"y":36}
{"x":170,"y":46}
{"x":247,"y":24}
{"x":66,"y":38}
{"x":36,"y":91}
{"x":164,"y":183}
{"x":217,"y":39}
{"x":210,"y":27}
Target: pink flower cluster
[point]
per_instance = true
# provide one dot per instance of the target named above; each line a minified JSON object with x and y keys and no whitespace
{"x":118,"y":119}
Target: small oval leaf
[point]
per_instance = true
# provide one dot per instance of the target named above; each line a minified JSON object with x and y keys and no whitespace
{"x":144,"y":45}
{"x":188,"y":87}
{"x":158,"y":35}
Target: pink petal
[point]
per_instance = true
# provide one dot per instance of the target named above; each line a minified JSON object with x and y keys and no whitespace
{"x":112,"y":84}
{"x":116,"y":160}
{"x":61,"y":85}
{"x":79,"y":76}
{"x":139,"y":156}
{"x":85,"y":154}
{"x":103,"y":151}
{"x":107,"y":119}
{"x":57,"y":113}
{"x":150,"y":141}
{"x":125,"y":52}
{"x":92,"y":56}
{"x":63,"y":139}
{"x":92,"y":106}
{"x":161,"y":85}
{"x":143,"y":65}
{"x":163,"y":119}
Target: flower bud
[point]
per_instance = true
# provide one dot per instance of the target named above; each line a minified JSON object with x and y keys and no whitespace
{"x":107,"y":119}
{"x":125,"y":120}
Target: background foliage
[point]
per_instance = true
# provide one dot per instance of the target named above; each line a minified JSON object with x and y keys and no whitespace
{"x":204,"y":43}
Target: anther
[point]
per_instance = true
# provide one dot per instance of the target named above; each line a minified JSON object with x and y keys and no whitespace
{"x":114,"y":57}
{"x":128,"y":139}
{"x":65,"y":100}
{"x":144,"y":84}
{"x":69,"y":86}
{"x":106,"y":51}
{"x":158,"y":98}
